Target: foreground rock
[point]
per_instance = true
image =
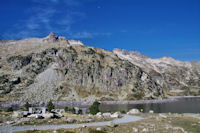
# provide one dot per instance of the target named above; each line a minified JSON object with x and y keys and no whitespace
{"x":111,"y":124}
{"x":71,"y":120}
{"x":37,"y":116}
{"x":106,"y":114}
{"x":99,"y":129}
{"x":162,"y":116}
{"x":99,"y":115}
{"x":17,"y":114}
{"x":151,"y":111}
{"x":133,"y":111}
{"x":48,"y":115}
{"x":116,"y":115}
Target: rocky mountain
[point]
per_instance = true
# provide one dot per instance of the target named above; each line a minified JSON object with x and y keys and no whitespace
{"x":55,"y":68}
{"x":176,"y":78}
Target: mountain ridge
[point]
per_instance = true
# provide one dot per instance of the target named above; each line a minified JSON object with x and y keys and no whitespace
{"x":165,"y":69}
{"x":55,"y":68}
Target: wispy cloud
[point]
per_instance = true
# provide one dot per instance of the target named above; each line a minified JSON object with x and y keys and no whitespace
{"x":41,"y":19}
{"x":85,"y":34}
{"x":46,"y":17}
{"x":67,"y":2}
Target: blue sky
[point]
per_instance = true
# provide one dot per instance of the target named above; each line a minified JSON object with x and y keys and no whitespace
{"x":155,"y":28}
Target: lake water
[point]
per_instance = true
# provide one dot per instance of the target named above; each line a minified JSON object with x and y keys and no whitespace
{"x":181,"y":105}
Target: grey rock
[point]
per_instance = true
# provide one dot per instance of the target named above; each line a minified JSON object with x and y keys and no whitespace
{"x":42,"y":69}
{"x":133,"y":111}
{"x":70,"y":120}
{"x":99,"y":129}
{"x":106,"y":114}
{"x":116,"y":115}
{"x":175,"y":77}
{"x":111,"y":124}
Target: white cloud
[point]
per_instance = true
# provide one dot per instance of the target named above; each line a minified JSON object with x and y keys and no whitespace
{"x":82,"y":35}
{"x":45,"y":17}
{"x":85,"y":34}
{"x":67,"y":2}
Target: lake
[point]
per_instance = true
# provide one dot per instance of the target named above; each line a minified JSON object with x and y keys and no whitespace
{"x":180,"y":105}
{"x":174,"y":105}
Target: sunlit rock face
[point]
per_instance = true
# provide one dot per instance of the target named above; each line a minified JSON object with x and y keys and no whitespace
{"x":55,"y":68}
{"x":175,"y":77}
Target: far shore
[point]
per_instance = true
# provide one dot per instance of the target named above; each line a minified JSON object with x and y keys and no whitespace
{"x":88,"y":103}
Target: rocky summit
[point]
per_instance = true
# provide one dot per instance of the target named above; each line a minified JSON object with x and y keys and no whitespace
{"x":55,"y":68}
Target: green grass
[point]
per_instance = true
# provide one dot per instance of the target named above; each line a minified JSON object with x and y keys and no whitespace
{"x":189,"y":124}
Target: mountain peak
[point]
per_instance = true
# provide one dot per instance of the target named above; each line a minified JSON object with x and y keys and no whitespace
{"x":52,"y":35}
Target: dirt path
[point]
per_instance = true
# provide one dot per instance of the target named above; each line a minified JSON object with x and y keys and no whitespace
{"x":124,"y":119}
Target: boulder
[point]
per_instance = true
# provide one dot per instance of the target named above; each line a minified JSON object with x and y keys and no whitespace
{"x":116,"y":115}
{"x":37,"y":116}
{"x":62,"y":110}
{"x":25,"y":113}
{"x":10,"y":122}
{"x":60,"y":114}
{"x":84,"y":126}
{"x":99,"y":113}
{"x":31,"y":116}
{"x":48,"y":115}
{"x":133,"y":111}
{"x":106,"y":114}
{"x":162,"y":116}
{"x":111,"y":124}
{"x":70,"y":120}
{"x":88,"y":120}
{"x":151,"y":111}
{"x":100,"y":116}
{"x":145,"y":130}
{"x":135,"y":129}
{"x":17,"y":114}
{"x":99,"y":129}
{"x":55,"y":131}
{"x":90,"y":115}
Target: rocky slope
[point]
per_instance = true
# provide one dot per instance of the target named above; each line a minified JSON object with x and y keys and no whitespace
{"x":175,"y":77}
{"x":41,"y":69}
{"x":56,"y":68}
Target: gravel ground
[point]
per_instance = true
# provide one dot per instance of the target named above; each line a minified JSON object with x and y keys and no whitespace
{"x":124,"y":119}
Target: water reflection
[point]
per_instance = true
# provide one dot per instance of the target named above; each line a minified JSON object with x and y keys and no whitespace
{"x":183,"y":105}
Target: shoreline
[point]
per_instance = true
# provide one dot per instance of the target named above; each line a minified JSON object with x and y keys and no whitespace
{"x":88,"y":103}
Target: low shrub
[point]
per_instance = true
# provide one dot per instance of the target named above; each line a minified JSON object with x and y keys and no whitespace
{"x":10,"y":109}
{"x":67,"y":109}
{"x":50,"y":106}
{"x":94,"y":109}
{"x":27,"y":105}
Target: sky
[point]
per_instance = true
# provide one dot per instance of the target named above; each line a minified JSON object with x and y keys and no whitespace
{"x":155,"y":28}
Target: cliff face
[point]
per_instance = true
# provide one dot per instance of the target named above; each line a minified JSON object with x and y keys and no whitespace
{"x":175,"y":77}
{"x":61,"y":70}
{"x":41,"y":69}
